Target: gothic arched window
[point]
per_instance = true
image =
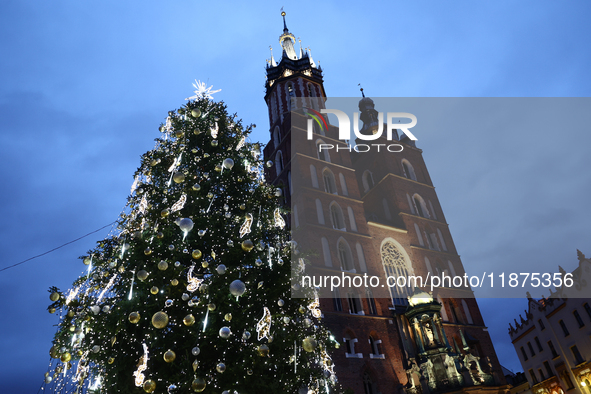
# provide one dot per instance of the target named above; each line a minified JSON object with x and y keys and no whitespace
{"x":368,"y":385}
{"x":395,"y":266}
{"x":321,"y":151}
{"x":279,"y":162}
{"x":330,"y":185}
{"x":408,"y":170}
{"x":345,"y":256}
{"x":336,"y":215}
{"x":367,"y":180}
{"x":420,"y":206}
{"x":276,"y":137}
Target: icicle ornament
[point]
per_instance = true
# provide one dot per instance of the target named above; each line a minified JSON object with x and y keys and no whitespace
{"x":193,"y":283}
{"x":279,"y":222}
{"x":180,"y":204}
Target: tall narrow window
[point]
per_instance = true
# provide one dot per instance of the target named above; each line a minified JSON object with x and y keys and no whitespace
{"x":319,"y":212}
{"x":279,"y":162}
{"x":276,"y":137}
{"x":355,"y":306}
{"x":321,"y":151}
{"x":467,"y":312}
{"x":345,"y":255}
{"x":541,"y":324}
{"x":329,"y":183}
{"x":336,"y":215}
{"x":577,"y":355}
{"x":326,"y":252}
{"x":420,"y":206}
{"x":367,"y":180}
{"x":541,"y":373}
{"x":534,"y":379}
{"x":336,"y":299}
{"x":313,"y":176}
{"x":524,"y":354}
{"x":567,"y":380}
{"x":587,"y":309}
{"x":564,"y":328}
{"x":408,"y":170}
{"x":395,"y":266}
{"x":531,"y":349}
{"x":548,"y":369}
{"x":371,"y":302}
{"x":352,"y":221}
{"x":368,"y":385}
{"x":290,"y":95}
{"x":443,"y":310}
{"x":386,"y":209}
{"x":538,"y":343}
{"x":343,"y":185}
{"x":578,"y":318}
{"x":419,"y":236}
{"x":552,"y":350}
{"x":361,"y":258}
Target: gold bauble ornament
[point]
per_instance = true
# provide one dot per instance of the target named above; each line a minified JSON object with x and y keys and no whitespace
{"x":70,"y":313}
{"x":142,"y":275}
{"x":54,"y":296}
{"x":196,"y":254}
{"x":198,"y":385}
{"x":211,"y":307}
{"x":247,"y":245}
{"x":196,"y":187}
{"x":160,"y":235}
{"x":309,"y":344}
{"x":189,"y":320}
{"x":178,"y":177}
{"x":154,"y":290}
{"x":66,"y":357}
{"x":169,"y":356}
{"x":165,"y":212}
{"x":134,"y":317}
{"x":218,"y":168}
{"x":178,"y":134}
{"x":160,"y":320}
{"x":86,"y":260}
{"x":195,"y":365}
{"x":196,"y":112}
{"x":53,"y":352}
{"x":149,"y":386}
{"x":51,"y":310}
{"x":228,"y":317}
{"x":148,"y":251}
{"x":162,"y":265}
{"x":205,"y":264}
{"x":174,"y":282}
{"x":242,"y":207}
{"x":263,"y":350}
{"x":301,"y":309}
{"x":111,"y":360}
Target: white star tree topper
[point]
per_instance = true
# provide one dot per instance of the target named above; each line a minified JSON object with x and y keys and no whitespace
{"x":202,"y":91}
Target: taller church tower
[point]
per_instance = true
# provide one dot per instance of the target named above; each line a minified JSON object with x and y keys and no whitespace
{"x":375,"y":215}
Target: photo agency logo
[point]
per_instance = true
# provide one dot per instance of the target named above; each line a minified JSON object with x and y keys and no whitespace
{"x":377,"y":129}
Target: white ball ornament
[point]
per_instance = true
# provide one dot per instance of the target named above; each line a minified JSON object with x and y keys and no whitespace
{"x":196,"y":351}
{"x":237,"y":288}
{"x":185,"y":224}
{"x":225,"y":332}
{"x":228,"y":163}
{"x":221,"y":269}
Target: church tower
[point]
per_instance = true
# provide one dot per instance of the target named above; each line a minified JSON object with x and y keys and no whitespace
{"x":372,"y":215}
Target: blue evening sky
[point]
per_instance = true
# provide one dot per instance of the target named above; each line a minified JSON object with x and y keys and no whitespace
{"x":85,"y":85}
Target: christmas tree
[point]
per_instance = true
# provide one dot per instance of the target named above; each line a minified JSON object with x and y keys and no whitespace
{"x":192,"y":293}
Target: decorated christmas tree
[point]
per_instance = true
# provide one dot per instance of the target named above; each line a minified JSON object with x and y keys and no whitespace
{"x":192,"y":291}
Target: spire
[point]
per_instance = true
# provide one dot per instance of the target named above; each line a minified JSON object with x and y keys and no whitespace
{"x":284,"y":24}
{"x":272,"y":61}
{"x":287,"y":41}
{"x":310,"y":56}
{"x":301,"y":50}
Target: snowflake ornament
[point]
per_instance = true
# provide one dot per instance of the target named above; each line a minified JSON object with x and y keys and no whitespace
{"x":202,"y":91}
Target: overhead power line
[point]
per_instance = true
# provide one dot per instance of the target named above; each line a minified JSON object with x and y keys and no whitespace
{"x":54,"y":249}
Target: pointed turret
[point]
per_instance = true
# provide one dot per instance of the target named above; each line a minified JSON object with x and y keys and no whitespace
{"x":287,"y":41}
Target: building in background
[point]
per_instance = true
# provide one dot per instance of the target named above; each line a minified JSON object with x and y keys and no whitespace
{"x":375,"y":214}
{"x":553,"y":341}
